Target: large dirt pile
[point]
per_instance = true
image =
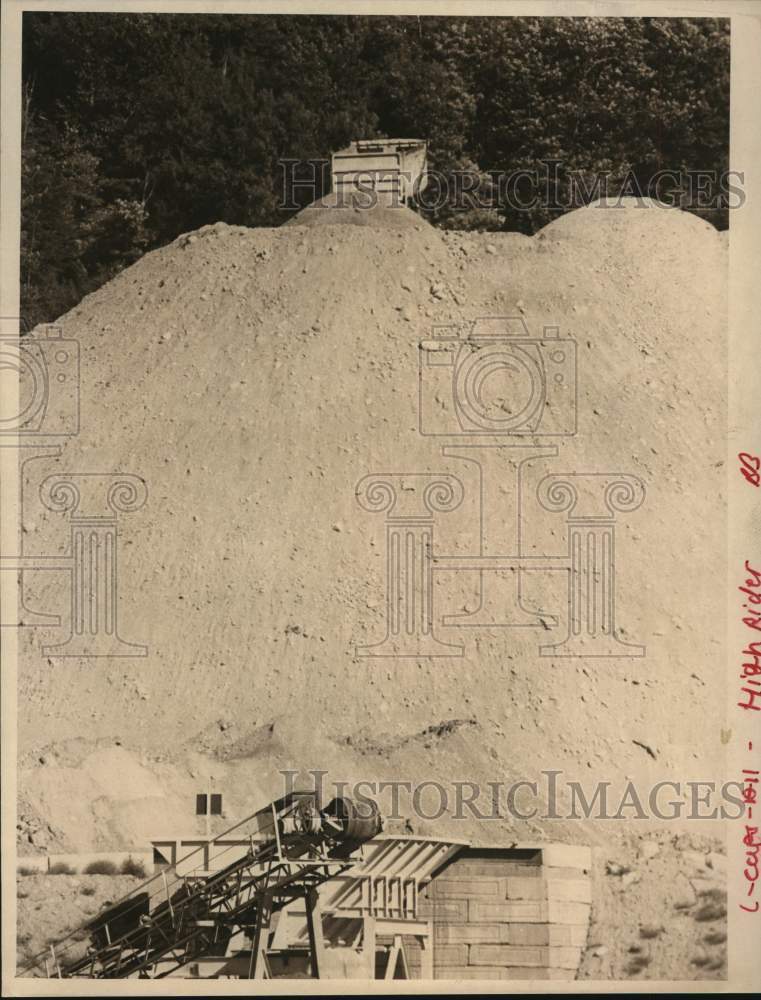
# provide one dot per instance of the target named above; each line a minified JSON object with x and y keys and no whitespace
{"x":253,"y":377}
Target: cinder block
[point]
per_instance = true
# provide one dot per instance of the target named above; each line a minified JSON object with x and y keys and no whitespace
{"x":555,"y":872}
{"x":569,"y":935}
{"x":457,"y":972}
{"x":465,"y":888}
{"x":572,"y":890}
{"x":485,"y":869}
{"x":470,"y":933}
{"x":450,"y":954}
{"x":578,"y":935}
{"x":526,"y":888}
{"x":520,"y":910}
{"x":561,"y":935}
{"x":524,"y":869}
{"x":567,"y":856}
{"x":506,"y":955}
{"x":527,"y":911}
{"x":528,"y":972}
{"x":531,"y":934}
{"x":559,"y":911}
{"x":444,"y":911}
{"x":495,"y":868}
{"x":563,"y":958}
{"x":413,"y":949}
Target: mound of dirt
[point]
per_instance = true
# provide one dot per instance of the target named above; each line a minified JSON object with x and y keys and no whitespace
{"x":633,"y":226}
{"x":253,"y":378}
{"x":35,"y":834}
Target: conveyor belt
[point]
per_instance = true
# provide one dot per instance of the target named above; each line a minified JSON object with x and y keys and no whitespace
{"x":172,"y":919}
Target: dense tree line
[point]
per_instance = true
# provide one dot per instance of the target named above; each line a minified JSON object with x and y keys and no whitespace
{"x":138,"y":127}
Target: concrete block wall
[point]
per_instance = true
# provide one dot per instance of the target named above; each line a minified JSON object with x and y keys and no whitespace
{"x":502,"y":913}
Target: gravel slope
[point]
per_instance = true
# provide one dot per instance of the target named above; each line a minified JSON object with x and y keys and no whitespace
{"x":252,"y":378}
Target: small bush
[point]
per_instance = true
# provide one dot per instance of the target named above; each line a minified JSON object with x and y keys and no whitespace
{"x":711,"y":911}
{"x":717,"y":962}
{"x":101,"y":867}
{"x":713,"y":906}
{"x":134,"y":867}
{"x":87,"y":890}
{"x":715,"y":937}
{"x":61,"y":868}
{"x":636,"y":964}
{"x":26,"y":870}
{"x":648,"y":931}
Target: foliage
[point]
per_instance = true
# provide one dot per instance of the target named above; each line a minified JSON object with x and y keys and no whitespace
{"x":138,"y":127}
{"x":61,"y":868}
{"x":132,"y":866}
{"x":101,"y":866}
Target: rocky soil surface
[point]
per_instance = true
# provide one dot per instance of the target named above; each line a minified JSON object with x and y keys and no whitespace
{"x":52,"y":907}
{"x":253,"y":378}
{"x":659,"y":909}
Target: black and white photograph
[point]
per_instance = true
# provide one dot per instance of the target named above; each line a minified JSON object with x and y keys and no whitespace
{"x":380,"y":444}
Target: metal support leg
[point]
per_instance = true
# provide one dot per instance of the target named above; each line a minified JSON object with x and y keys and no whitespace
{"x":257,"y":967}
{"x":314,"y":929}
